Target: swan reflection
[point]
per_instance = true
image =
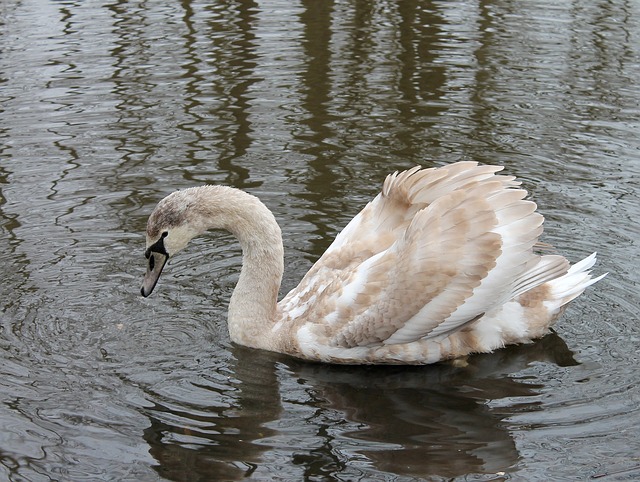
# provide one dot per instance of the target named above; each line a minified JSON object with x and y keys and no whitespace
{"x":352,"y":421}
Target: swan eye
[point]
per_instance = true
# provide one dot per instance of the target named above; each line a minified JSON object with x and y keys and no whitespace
{"x":157,"y":247}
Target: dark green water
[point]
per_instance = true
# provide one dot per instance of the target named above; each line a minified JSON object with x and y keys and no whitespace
{"x":106,"y":106}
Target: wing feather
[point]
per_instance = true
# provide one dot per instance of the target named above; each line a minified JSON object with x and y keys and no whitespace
{"x":432,"y":252}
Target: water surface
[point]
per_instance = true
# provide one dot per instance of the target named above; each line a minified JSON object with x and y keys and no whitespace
{"x":106,"y":106}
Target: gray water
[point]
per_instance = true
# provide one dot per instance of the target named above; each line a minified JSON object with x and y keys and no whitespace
{"x":107,"y":106}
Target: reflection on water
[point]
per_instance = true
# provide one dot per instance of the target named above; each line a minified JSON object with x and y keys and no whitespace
{"x":356,"y":421}
{"x":223,"y":441}
{"x":106,"y":106}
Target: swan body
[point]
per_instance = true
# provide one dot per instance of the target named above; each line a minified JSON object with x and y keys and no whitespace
{"x":441,"y":264}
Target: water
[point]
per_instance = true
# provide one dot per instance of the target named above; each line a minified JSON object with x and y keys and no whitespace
{"x":106,"y":106}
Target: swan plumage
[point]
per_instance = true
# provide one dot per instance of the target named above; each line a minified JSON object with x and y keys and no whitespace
{"x":442,"y":263}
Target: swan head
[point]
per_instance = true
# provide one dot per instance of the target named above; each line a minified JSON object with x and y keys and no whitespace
{"x":169,"y":229}
{"x":183,"y":215}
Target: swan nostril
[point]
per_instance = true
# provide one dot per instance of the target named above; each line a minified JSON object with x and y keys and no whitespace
{"x":152,"y":262}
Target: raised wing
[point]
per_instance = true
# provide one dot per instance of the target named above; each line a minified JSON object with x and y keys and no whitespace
{"x":432,"y":252}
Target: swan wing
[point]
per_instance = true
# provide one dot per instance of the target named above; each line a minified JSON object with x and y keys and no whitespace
{"x":435,"y":250}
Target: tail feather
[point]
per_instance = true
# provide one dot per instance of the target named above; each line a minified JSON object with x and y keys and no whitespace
{"x":573,"y":283}
{"x":530,"y":315}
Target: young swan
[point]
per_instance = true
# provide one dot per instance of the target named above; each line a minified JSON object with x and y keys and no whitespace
{"x":439,"y":265}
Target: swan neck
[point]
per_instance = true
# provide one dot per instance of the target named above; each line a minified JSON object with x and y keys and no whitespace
{"x":253,"y":305}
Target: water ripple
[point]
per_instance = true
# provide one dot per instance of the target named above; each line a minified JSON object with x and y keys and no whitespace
{"x":106,"y":107}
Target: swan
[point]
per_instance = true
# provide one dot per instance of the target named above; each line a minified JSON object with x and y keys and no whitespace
{"x":442,"y":263}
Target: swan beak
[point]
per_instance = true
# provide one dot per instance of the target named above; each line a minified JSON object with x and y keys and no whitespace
{"x":154,"y":268}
